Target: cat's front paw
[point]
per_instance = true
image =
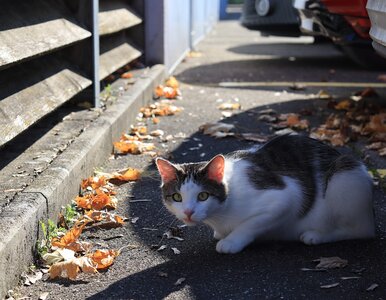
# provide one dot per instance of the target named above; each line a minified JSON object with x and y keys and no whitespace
{"x":217,"y":235}
{"x":311,"y":238}
{"x":229,"y":246}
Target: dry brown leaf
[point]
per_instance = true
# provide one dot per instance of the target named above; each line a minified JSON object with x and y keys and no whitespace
{"x":172,"y":82}
{"x":103,"y":258}
{"x":127,"y":75}
{"x":71,"y":235}
{"x":267,"y":118}
{"x":157,"y":132}
{"x":72,"y":267}
{"x":343,"y":105}
{"x":93,"y":182}
{"x":322,"y":94}
{"x":159,"y":91}
{"x":229,"y":106}
{"x":292,"y":120}
{"x":130,"y":174}
{"x":127,"y":147}
{"x":96,"y":201}
{"x":155,"y":120}
{"x":212,"y":128}
{"x":138,"y":129}
{"x":255,"y":137}
{"x":367,"y":92}
{"x":331,"y":262}
{"x":377,"y":124}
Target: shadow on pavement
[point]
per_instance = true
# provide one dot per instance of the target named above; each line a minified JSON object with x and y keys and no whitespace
{"x":273,"y":70}
{"x":263,"y":270}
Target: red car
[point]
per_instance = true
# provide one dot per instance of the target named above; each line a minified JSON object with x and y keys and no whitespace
{"x":346,"y":23}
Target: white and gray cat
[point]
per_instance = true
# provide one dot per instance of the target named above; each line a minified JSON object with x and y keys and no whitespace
{"x":291,"y":188}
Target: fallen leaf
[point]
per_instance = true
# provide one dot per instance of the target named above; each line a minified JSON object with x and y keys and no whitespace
{"x":103,"y":258}
{"x":71,"y":235}
{"x":180,"y":281}
{"x":129,"y":174}
{"x":372,"y":287}
{"x":173,"y":234}
{"x":331,"y":262}
{"x":267,"y":118}
{"x":43,"y":296}
{"x":329,"y":286}
{"x":125,"y":147}
{"x":322,"y":94}
{"x":94,"y":182}
{"x":292,"y":120}
{"x":33,"y":278}
{"x":155,"y":120}
{"x":226,"y":114}
{"x":97,"y":201}
{"x":255,"y":137}
{"x":58,"y":255}
{"x":172,"y":82}
{"x":170,"y":93}
{"x":162,"y":247}
{"x":229,"y":106}
{"x":157,"y":132}
{"x":343,"y":105}
{"x":194,"y":54}
{"x":159,"y":91}
{"x":377,"y":124}
{"x":176,"y":251}
{"x":127,"y":75}
{"x":367,"y":92}
{"x":268,"y":111}
{"x":162,"y":274}
{"x":297,"y":87}
{"x":134,"y":220}
{"x":72,"y":267}
{"x":312,"y":270}
{"x":212,"y":128}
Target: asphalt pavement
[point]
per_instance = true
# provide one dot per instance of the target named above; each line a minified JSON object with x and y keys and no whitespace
{"x":232,"y":64}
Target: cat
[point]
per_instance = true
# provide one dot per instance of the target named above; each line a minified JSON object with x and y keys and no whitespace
{"x":291,"y":188}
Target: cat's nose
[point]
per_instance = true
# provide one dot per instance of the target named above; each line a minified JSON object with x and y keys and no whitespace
{"x":188,"y":213}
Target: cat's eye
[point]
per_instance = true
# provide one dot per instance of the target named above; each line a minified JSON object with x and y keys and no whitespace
{"x":203,"y":196}
{"x":177,"y":197}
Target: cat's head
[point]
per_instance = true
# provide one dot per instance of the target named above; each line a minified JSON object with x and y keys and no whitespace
{"x":193,"y":192}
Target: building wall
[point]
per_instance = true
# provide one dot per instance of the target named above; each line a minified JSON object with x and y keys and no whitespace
{"x":174,"y":27}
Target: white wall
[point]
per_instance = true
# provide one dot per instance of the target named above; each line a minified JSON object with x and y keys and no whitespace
{"x":173,"y":27}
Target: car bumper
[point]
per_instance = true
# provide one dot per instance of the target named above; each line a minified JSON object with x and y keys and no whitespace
{"x":377,"y":13}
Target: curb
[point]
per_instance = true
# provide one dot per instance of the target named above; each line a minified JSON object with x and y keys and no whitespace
{"x":55,"y":186}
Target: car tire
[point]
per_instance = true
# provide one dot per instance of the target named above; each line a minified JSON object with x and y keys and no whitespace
{"x":365,"y":56}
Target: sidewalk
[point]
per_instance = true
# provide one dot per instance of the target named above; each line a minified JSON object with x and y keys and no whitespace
{"x":228,"y":56}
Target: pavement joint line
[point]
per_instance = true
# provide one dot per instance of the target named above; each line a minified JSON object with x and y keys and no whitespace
{"x":304,"y":83}
{"x":19,"y":221}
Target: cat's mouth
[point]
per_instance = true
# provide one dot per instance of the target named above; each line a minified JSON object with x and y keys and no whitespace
{"x":189,"y":222}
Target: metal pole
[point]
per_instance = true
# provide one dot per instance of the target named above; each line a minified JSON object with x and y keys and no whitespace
{"x":95,"y":49}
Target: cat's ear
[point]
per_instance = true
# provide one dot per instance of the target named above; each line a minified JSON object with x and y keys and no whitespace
{"x":215,"y":168}
{"x":166,"y":169}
